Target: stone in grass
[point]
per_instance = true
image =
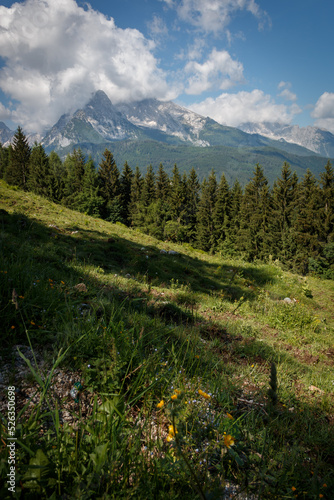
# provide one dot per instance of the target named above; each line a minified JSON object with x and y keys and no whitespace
{"x":172,"y":252}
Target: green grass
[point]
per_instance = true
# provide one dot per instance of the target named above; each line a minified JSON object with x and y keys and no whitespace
{"x":148,"y":327}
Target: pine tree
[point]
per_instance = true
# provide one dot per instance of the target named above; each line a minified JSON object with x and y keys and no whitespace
{"x":205,"y":237}
{"x":148,"y":189}
{"x":88,"y":200}
{"x":135,"y":196}
{"x":110,"y":188}
{"x":192,"y":200}
{"x":75,"y":171}
{"x":229,"y":246}
{"x":327,"y":197}
{"x":5,"y":158}
{"x":255,"y":217}
{"x":284,"y":205}
{"x":39,"y":177}
{"x":221,"y":214}
{"x":307,"y":222}
{"x":17,"y":171}
{"x":57,"y":177}
{"x":162,"y":188}
{"x":125,"y":184}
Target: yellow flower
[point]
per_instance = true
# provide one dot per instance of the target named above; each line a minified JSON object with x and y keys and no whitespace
{"x":13,"y":327}
{"x":177,"y":391}
{"x":228,"y":440}
{"x":293,"y":488}
{"x":174,"y":397}
{"x":229,"y":416}
{"x":160,"y":405}
{"x":32,"y":323}
{"x":172,"y":430}
{"x":321,"y":495}
{"x":169,"y":438}
{"x":204,"y":394}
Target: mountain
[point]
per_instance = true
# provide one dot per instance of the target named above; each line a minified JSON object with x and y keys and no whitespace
{"x":315,"y":139}
{"x":152,"y":132}
{"x":6,"y":134}
{"x":100,"y":121}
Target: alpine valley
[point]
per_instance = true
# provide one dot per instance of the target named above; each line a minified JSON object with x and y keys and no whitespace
{"x":153,"y":132}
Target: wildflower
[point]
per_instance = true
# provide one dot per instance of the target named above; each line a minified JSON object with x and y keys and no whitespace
{"x":62,"y":282}
{"x":229,"y":416}
{"x":321,"y":495}
{"x":174,"y":397}
{"x":160,"y":405}
{"x":32,"y":323}
{"x":12,"y":327}
{"x":324,"y":485}
{"x":228,"y":440}
{"x":204,"y":394}
{"x":177,"y":391}
{"x":293,"y":488}
{"x":169,"y":438}
{"x":172,"y":430}
{"x":21,"y":296}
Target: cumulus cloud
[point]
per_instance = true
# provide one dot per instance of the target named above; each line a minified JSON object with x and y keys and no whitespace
{"x":255,"y":106}
{"x":57,"y":53}
{"x":286,"y":92}
{"x":214,"y":15}
{"x":218,"y":71}
{"x":324,"y":112}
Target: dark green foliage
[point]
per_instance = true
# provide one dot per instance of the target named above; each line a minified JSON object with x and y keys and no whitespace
{"x":273,"y":387}
{"x":39,"y":169}
{"x":17,"y":171}
{"x":110,"y":188}
{"x":57,"y":176}
{"x":221,"y":215}
{"x":284,"y":205}
{"x":205,"y":237}
{"x":162,"y":188}
{"x":125,"y":187}
{"x":255,"y":217}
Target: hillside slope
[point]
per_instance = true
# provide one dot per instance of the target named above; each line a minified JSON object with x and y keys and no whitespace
{"x":164,"y":337}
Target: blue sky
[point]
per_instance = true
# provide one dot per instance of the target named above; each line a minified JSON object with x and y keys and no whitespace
{"x":233,"y":60}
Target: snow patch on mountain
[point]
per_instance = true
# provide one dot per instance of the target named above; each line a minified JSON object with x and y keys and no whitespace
{"x":317,"y":140}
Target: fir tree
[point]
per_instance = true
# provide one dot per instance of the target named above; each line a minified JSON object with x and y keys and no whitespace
{"x":135,"y":196}
{"x":255,"y":217}
{"x":75,"y":171}
{"x":17,"y":171}
{"x":57,"y":177}
{"x":221,"y":214}
{"x":327,"y":197}
{"x":125,"y":184}
{"x":205,"y":237}
{"x":88,"y":200}
{"x":307,"y":222}
{"x":284,"y":205}
{"x":162,"y":190}
{"x":39,"y":177}
{"x":110,"y":188}
{"x":192,"y":200}
{"x":148,"y":189}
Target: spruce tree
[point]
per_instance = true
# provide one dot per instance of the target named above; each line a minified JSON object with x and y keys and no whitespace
{"x":221,"y":214}
{"x":307,"y":222}
{"x":88,"y":200}
{"x":205,"y":235}
{"x":75,"y":171}
{"x":148,"y":190}
{"x":110,"y":188}
{"x":255,"y":217}
{"x":135,"y":196}
{"x":192,"y":200}
{"x":39,"y":177}
{"x":229,"y":246}
{"x":162,"y":188}
{"x":57,"y":177}
{"x":17,"y":171}
{"x":327,"y":208}
{"x":125,"y":185}
{"x":284,"y":206}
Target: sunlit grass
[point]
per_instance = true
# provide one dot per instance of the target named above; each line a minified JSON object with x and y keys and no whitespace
{"x":196,"y":332}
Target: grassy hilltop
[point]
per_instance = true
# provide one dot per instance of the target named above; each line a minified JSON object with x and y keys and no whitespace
{"x":198,"y":379}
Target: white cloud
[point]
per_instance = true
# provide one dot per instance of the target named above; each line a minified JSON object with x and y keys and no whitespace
{"x":286,"y":93}
{"x":324,"y":112}
{"x":218,"y":71}
{"x":57,"y":53}
{"x":215,"y":15}
{"x":235,"y":109}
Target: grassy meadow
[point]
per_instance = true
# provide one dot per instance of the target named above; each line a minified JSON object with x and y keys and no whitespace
{"x":202,"y":381}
